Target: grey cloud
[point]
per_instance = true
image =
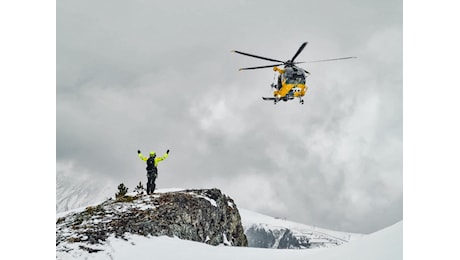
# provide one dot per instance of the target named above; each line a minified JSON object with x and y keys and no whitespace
{"x":155,"y":75}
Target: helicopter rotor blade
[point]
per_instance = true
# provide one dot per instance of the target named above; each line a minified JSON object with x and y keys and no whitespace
{"x":299,"y":51}
{"x":344,"y":58}
{"x":262,"y":67}
{"x":255,"y":56}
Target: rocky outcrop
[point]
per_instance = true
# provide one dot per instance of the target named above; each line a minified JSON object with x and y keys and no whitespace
{"x":260,"y":237}
{"x":280,"y":238}
{"x":290,"y":240}
{"x":290,"y":237}
{"x":206,"y":216}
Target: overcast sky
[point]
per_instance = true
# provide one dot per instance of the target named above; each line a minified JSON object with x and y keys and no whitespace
{"x":158,"y":75}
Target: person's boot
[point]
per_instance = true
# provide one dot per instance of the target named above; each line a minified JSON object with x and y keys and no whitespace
{"x":148,"y":188}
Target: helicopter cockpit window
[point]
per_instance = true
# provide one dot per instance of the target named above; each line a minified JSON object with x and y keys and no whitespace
{"x":294,"y":76}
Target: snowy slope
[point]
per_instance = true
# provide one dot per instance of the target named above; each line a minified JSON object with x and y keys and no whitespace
{"x":382,"y":245}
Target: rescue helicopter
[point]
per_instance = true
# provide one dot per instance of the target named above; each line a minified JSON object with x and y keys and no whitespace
{"x":290,"y":83}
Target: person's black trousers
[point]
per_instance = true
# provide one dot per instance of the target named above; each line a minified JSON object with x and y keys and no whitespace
{"x":151,"y":177}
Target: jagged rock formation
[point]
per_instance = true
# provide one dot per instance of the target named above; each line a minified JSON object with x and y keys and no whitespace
{"x":290,"y":240}
{"x":206,"y":216}
{"x":259,"y":237}
{"x":282,"y":238}
{"x":266,"y":236}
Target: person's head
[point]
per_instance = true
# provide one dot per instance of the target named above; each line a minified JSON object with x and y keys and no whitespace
{"x":152,"y":154}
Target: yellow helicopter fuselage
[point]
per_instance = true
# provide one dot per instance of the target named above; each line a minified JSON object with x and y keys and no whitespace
{"x":291,"y":83}
{"x":291,"y":79}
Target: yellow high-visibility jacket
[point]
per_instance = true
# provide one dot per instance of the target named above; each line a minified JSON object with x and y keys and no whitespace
{"x":157,"y":159}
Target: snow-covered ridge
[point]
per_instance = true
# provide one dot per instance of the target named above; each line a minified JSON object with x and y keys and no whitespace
{"x":84,"y":201}
{"x":268,"y":232}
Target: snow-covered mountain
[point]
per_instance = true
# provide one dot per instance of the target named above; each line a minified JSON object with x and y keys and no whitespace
{"x":262,"y":231}
{"x":382,"y":245}
{"x":322,"y":243}
{"x":78,"y":191}
{"x":268,"y":232}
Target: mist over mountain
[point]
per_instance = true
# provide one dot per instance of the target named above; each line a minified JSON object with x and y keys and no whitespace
{"x":75,"y":191}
